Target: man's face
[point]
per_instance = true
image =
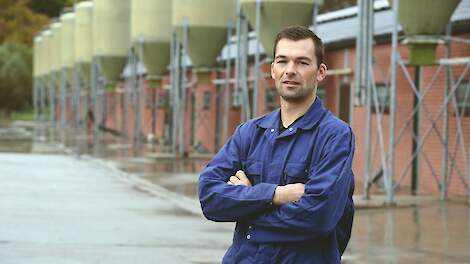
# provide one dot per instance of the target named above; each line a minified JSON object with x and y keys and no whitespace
{"x":295,"y":70}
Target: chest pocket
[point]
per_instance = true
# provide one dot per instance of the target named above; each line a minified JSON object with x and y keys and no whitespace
{"x":253,"y":171}
{"x":295,"y":173}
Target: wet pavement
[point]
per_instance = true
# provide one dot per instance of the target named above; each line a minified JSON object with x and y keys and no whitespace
{"x":114,"y":210}
{"x":56,"y":209}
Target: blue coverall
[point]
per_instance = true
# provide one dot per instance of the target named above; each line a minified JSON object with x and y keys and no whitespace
{"x":318,"y":151}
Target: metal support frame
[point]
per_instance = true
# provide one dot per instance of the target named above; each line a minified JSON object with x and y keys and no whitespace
{"x":393,"y":92}
{"x":363,"y":76}
{"x":241,"y":96}
{"x":52,"y":99}
{"x":315,"y":10}
{"x":77,"y":83}
{"x":257,"y":58}
{"x":183,"y":86}
{"x":227,"y":89}
{"x":137,"y":89}
{"x":96,"y":87}
{"x":420,"y":111}
{"x":63,"y":88}
{"x":176,"y":94}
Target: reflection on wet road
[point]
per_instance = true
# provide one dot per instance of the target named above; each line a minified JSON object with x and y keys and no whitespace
{"x":430,"y":234}
{"x":436,"y":233}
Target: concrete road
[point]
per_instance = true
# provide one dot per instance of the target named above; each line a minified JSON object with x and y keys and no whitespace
{"x":57,"y":209}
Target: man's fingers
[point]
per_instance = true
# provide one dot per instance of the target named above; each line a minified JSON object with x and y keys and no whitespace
{"x":241,"y":175}
{"x":235,"y":180}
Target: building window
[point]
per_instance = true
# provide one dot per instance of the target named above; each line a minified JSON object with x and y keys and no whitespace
{"x":321,"y":92}
{"x":462,"y":95}
{"x":271,"y":102}
{"x":206,"y":101}
{"x":162,"y":101}
{"x":383,"y":97}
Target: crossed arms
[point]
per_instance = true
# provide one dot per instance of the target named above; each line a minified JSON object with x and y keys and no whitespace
{"x":300,"y":211}
{"x":282,"y":194}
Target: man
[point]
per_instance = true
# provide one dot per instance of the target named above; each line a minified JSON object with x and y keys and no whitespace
{"x":285,"y":178}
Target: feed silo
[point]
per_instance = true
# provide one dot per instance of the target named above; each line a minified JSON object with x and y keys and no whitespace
{"x":111,"y":31}
{"x":207,"y":27}
{"x":46,"y":51}
{"x":83,"y":39}
{"x":276,"y":15}
{"x":202,"y":27}
{"x":37,"y":42}
{"x":55,"y":51}
{"x":423,"y":21}
{"x":37,"y":49}
{"x":67,"y":45}
{"x":151,"y":24}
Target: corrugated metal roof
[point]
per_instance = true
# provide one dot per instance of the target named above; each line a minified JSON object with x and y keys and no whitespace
{"x":347,"y":28}
{"x":342,"y":25}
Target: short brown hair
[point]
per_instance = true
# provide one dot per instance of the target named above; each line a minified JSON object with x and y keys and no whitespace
{"x":296,"y":33}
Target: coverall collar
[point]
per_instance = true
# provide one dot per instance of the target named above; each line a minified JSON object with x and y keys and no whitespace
{"x":308,"y":121}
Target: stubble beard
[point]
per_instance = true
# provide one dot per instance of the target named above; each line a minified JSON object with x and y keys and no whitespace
{"x":299,"y":95}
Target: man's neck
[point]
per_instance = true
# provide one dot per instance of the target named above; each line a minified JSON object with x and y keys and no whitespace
{"x":290,"y":111}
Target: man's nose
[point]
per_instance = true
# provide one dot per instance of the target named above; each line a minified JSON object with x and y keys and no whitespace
{"x":290,"y":68}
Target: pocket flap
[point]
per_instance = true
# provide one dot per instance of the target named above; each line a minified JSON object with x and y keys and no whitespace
{"x":296,"y":170}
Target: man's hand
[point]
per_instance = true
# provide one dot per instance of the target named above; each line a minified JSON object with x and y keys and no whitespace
{"x":239,"y":179}
{"x":288,"y":193}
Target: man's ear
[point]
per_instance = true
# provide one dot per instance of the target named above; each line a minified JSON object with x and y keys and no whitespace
{"x":322,"y":69}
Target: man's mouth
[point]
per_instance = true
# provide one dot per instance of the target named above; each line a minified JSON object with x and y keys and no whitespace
{"x":291,"y":82}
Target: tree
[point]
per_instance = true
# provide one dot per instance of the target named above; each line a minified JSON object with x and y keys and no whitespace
{"x":50,"y":8}
{"x":331,"y":5}
{"x":15,"y":76}
{"x":18,"y":22}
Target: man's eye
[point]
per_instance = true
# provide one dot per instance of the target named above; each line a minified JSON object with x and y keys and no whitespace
{"x":281,"y":61}
{"x":304,"y":63}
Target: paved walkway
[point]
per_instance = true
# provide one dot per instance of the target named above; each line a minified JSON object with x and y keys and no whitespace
{"x":56,"y":209}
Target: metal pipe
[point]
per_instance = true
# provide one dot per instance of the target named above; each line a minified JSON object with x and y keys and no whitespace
{"x":77,"y":84}
{"x":445,"y":120}
{"x":393,"y":91}
{"x":363,"y":83}
{"x":126,"y":99}
{"x":52,"y":106}
{"x":314,"y":15}
{"x":236,"y":90}
{"x":140,"y":89}
{"x":416,"y":131}
{"x":178,"y":95}
{"x":244,"y":70}
{"x":94,"y":91}
{"x":44,"y":85}
{"x":257,"y":55}
{"x":173,"y":97}
{"x":35,"y":105}
{"x":227,"y":83}
{"x":183,"y":107}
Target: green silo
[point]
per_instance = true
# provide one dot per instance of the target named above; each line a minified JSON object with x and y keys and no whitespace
{"x":207,"y":27}
{"x":111,"y":31}
{"x":151,"y":21}
{"x":278,"y":14}
{"x":83,"y":34}
{"x":423,"y":21}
